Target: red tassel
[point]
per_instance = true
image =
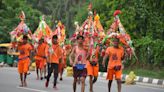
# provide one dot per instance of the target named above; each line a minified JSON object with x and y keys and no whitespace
{"x":117,"y":12}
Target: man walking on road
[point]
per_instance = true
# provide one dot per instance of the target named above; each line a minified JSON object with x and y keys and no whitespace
{"x":23,"y":60}
{"x":54,"y":58}
{"x":40,"y":59}
{"x":79,"y":64}
{"x":115,"y":54}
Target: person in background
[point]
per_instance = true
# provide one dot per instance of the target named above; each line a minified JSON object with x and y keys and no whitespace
{"x":92,"y":64}
{"x":40,"y":58}
{"x":62,"y":64}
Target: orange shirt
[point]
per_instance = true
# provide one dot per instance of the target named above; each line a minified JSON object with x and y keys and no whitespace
{"x":26,"y":48}
{"x":56,"y":55}
{"x":115,"y":55}
{"x":41,"y":50}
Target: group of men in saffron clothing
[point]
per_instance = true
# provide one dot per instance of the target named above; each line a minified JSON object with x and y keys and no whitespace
{"x":83,"y":58}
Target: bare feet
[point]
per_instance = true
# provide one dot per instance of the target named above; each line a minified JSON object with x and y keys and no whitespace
{"x":46,"y":84}
{"x":91,"y":91}
{"x":21,"y":85}
{"x":41,"y":78}
{"x":61,"y":79}
{"x":25,"y":84}
{"x":55,"y":88}
{"x":37,"y":78}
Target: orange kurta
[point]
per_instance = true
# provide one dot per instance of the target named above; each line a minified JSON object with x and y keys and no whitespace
{"x":115,"y":54}
{"x":56,"y":55}
{"x":41,"y":55}
{"x":24,"y":59}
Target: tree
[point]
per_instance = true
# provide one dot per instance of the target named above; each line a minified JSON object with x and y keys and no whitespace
{"x":143,"y":20}
{"x":10,"y":10}
{"x":63,"y":10}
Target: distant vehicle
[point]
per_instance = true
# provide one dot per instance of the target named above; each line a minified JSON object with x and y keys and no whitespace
{"x":8,"y":55}
{"x":6,"y":48}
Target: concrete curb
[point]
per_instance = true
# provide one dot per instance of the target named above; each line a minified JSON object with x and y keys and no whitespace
{"x":139,"y":79}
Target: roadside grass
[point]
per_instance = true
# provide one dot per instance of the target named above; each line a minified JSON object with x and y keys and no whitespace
{"x":152,"y":73}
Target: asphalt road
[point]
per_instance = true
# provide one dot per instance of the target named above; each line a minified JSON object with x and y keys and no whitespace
{"x":9,"y":82}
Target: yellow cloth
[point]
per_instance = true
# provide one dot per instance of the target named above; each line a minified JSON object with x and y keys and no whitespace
{"x":32,"y":67}
{"x":69,"y":71}
{"x":5,"y":45}
{"x":131,"y":78}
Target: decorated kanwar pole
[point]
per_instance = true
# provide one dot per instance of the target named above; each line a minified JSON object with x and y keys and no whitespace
{"x":17,"y":34}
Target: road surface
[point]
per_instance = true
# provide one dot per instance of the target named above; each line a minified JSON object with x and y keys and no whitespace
{"x":9,"y":82}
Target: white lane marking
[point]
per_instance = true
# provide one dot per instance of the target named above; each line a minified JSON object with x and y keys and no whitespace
{"x":155,"y":81}
{"x":145,"y":79}
{"x":32,"y":89}
{"x":137,"y":78}
{"x":143,"y":85}
{"x":126,"y":77}
{"x":140,"y":85}
{"x":149,"y":87}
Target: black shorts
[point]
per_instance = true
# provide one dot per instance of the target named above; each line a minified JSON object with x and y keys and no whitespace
{"x":79,"y":73}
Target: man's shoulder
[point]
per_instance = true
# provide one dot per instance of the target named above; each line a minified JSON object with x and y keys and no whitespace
{"x":28,"y":44}
{"x":57,"y":46}
{"x":44,"y":45}
{"x":24,"y":45}
{"x":110,"y":48}
{"x":121,"y":48}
